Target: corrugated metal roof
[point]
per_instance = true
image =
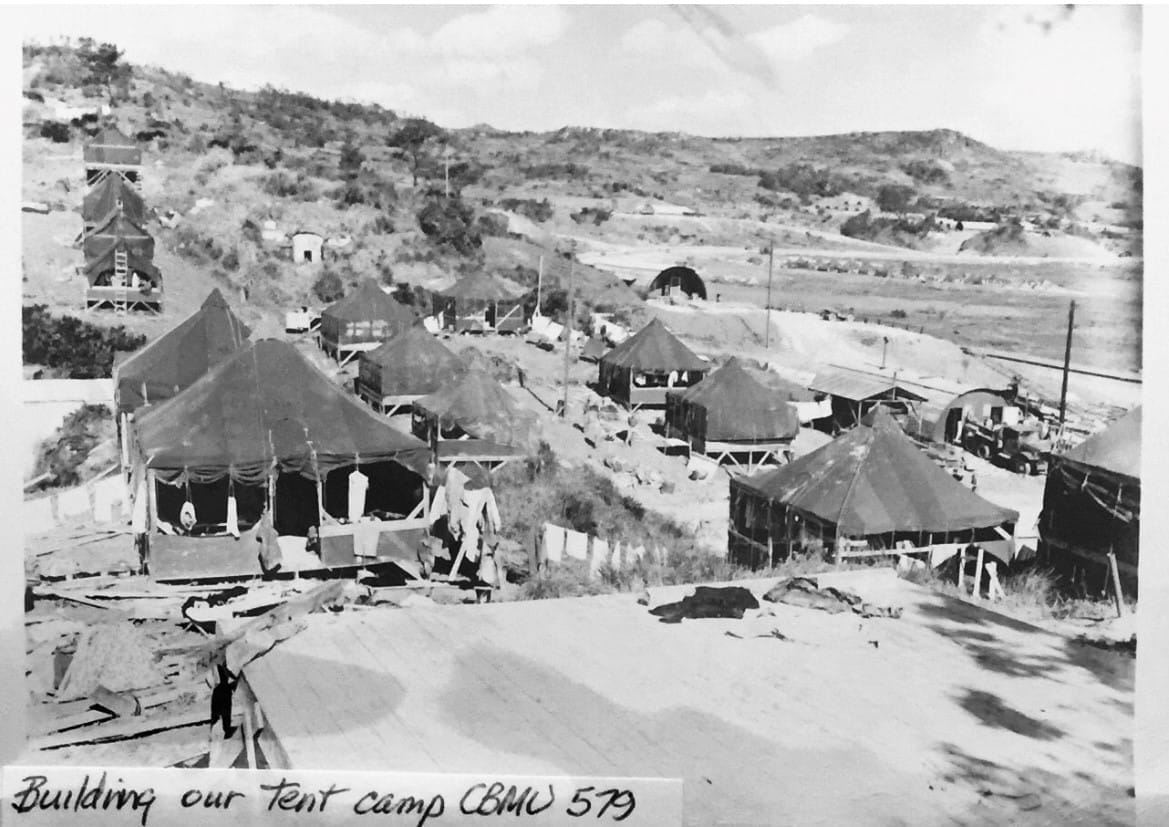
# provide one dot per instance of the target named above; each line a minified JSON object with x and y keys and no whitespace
{"x":855,"y":385}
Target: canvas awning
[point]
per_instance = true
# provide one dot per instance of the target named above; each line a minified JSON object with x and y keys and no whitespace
{"x":180,"y":356}
{"x":857,"y":386}
{"x":874,"y":480}
{"x":266,"y":409}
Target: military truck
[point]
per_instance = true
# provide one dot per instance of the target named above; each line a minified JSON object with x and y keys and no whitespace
{"x":1015,"y":447}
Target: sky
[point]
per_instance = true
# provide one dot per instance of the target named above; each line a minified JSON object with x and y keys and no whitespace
{"x":1045,"y":78}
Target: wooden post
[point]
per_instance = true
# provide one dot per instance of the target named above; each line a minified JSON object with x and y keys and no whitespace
{"x":539,"y":284}
{"x":567,"y":338}
{"x":1067,"y":360}
{"x":1121,"y":609}
{"x":962,"y":569}
{"x":977,"y":592}
{"x":770,"y":262}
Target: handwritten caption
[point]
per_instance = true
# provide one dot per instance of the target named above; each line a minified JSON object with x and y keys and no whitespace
{"x":158,"y":797}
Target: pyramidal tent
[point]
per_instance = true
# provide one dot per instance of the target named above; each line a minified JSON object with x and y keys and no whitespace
{"x":1092,"y":506}
{"x":479,"y":406}
{"x":871,"y":481}
{"x":413,"y":363}
{"x":180,"y":356}
{"x":731,"y":406}
{"x":480,"y":302}
{"x":653,"y":348}
{"x":105,"y":199}
{"x":480,"y":286}
{"x":118,"y":230}
{"x":111,"y":147}
{"x":266,"y":409}
{"x":368,"y":314}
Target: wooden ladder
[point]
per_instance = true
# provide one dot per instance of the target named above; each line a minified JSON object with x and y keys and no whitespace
{"x":122,"y":277}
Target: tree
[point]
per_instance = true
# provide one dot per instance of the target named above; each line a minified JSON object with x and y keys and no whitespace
{"x":894,"y":198}
{"x":351,"y":159}
{"x":328,"y":287}
{"x":414,"y":138}
{"x":101,"y":65}
{"x":450,"y":222}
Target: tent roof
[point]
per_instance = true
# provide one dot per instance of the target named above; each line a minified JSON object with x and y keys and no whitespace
{"x":100,"y":202}
{"x":1116,"y":449}
{"x":110,"y":146}
{"x":482,"y":286}
{"x":105,"y":259}
{"x":739,"y":407}
{"x":874,"y":480}
{"x":786,"y":388}
{"x":480,"y":406}
{"x":181,"y":355}
{"x":855,"y":385}
{"x":119,"y":225}
{"x":653,"y":348}
{"x":267,"y":405}
{"x":369,"y":302}
{"x":412,"y":362}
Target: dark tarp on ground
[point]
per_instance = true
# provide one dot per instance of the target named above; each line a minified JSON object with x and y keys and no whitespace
{"x":480,"y":406}
{"x":110,"y":146}
{"x":118,"y":230}
{"x":104,"y":263}
{"x":684,"y":278}
{"x":102,"y":201}
{"x":180,"y":356}
{"x":1092,"y":498}
{"x":652,"y":349}
{"x":412,"y":363}
{"x":368,"y":314}
{"x":731,"y":406}
{"x":266,"y":409}
{"x":874,"y":480}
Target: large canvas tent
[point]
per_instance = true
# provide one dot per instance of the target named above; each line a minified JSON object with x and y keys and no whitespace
{"x":111,"y":196}
{"x":173,"y":361}
{"x":872,"y":485}
{"x":640,"y":370}
{"x":268,"y":429}
{"x":1092,"y":506}
{"x":362,"y":321}
{"x":729,"y":413}
{"x":479,"y":302}
{"x":112,"y":152}
{"x":411,"y":365}
{"x":474,"y":419}
{"x":118,"y":230}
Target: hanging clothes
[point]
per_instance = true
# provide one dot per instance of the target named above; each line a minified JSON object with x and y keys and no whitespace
{"x":358,"y":486}
{"x":269,"y":541}
{"x":232,"y":513}
{"x":456,"y":481}
{"x":187,"y":516}
{"x":576,"y":544}
{"x":365,"y":538}
{"x":615,"y":560}
{"x":553,"y":543}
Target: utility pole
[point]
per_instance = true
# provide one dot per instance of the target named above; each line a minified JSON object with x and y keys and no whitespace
{"x":539,"y":284}
{"x":770,"y":262}
{"x":1067,"y":362}
{"x":567,"y":337}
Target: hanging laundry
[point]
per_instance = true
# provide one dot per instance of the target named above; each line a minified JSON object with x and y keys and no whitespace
{"x":187,"y":517}
{"x":553,"y":543}
{"x":615,"y":560}
{"x":456,"y":481}
{"x":232,"y":516}
{"x":365,"y":538}
{"x":358,"y":486}
{"x":269,"y":540}
{"x":576,"y":544}
{"x":599,"y":558}
{"x":639,"y":553}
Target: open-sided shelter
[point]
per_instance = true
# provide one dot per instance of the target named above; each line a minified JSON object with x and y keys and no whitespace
{"x":407,"y":367}
{"x":853,"y":393}
{"x":113,"y":195}
{"x":474,"y":419}
{"x":480,"y":303}
{"x":681,"y":278}
{"x":119,"y":266}
{"x":265,"y":445}
{"x":112,"y":153}
{"x":868,"y":491}
{"x":1092,"y":507}
{"x":640,"y":370}
{"x":362,"y":321}
{"x":731,"y":416}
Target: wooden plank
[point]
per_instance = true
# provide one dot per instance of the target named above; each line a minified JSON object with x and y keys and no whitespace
{"x":121,"y":730}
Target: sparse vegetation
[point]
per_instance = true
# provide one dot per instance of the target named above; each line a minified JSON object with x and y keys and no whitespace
{"x":62,"y":455}
{"x":72,"y":348}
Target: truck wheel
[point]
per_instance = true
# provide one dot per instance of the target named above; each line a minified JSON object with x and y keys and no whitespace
{"x":982,"y":451}
{"x":1020,"y":465}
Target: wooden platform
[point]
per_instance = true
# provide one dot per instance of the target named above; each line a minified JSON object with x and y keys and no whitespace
{"x":826,"y":727}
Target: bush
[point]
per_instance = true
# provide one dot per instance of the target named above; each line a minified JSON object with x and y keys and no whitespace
{"x":539,"y":211}
{"x":56,"y":132}
{"x":805,"y":180}
{"x":79,"y":349}
{"x":328,"y":287}
{"x":62,"y":455}
{"x":598,"y":215}
{"x":926,"y":172}
{"x":449,"y":223}
{"x":492,"y":225}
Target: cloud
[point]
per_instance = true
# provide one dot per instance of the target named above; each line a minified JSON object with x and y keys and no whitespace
{"x":800,"y":38}
{"x":499,"y":31}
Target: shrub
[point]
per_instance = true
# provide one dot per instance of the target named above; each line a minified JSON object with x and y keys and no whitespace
{"x":62,"y":455}
{"x":539,"y":211}
{"x":927,"y":172}
{"x":56,"y":132}
{"x":448,"y":222}
{"x":79,"y":349}
{"x":492,"y":225}
{"x":328,"y":287}
{"x":805,"y":180}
